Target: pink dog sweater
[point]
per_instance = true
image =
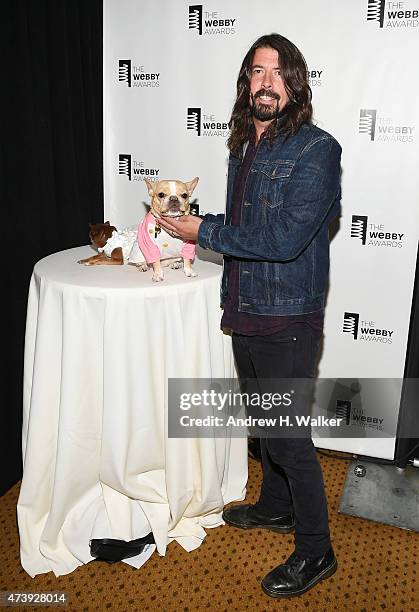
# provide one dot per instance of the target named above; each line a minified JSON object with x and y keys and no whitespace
{"x":162,"y":245}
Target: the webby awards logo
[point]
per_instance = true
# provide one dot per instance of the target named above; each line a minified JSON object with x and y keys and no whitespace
{"x":207,"y":22}
{"x":372,"y":234}
{"x":392,"y":14}
{"x":136,"y":75}
{"x":136,"y":170}
{"x":365,"y":330}
{"x":379,"y":128}
{"x":353,"y":414}
{"x":205,"y":123}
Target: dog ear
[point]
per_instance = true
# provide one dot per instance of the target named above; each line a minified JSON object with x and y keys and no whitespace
{"x":150,"y":187}
{"x":107,"y":223}
{"x":192,"y":184}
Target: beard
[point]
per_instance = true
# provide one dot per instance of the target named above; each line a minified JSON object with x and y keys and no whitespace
{"x":261,"y":111}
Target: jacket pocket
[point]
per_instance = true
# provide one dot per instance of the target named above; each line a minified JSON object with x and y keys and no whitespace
{"x":274,"y":176}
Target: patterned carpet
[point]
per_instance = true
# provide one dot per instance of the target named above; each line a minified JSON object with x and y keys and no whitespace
{"x":377,"y":567}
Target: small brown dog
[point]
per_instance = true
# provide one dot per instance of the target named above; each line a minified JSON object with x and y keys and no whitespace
{"x":114,"y":247}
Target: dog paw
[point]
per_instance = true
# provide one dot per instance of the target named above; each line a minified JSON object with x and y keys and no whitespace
{"x":157,"y":278}
{"x":176,"y":265}
{"x":190,"y":273}
{"x":142,"y":267}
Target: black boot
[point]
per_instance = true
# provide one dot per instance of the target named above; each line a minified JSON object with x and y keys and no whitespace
{"x":299,"y":574}
{"x":247,"y":517}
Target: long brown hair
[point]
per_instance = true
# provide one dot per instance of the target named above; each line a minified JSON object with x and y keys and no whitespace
{"x":294,"y":73}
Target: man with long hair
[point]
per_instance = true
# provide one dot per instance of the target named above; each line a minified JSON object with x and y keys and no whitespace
{"x":283,"y":191}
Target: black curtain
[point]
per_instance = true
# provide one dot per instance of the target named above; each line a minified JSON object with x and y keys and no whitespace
{"x":52,"y":164}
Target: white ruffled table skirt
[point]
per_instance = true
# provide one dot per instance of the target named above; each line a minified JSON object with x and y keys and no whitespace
{"x":101,"y":343}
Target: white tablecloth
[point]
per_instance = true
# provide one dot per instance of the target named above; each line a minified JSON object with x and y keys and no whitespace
{"x":101,"y":343}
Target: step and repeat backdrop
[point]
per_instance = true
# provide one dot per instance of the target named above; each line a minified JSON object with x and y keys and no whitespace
{"x":170,"y":71}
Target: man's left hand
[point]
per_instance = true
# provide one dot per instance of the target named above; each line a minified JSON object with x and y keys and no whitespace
{"x":186,"y":227}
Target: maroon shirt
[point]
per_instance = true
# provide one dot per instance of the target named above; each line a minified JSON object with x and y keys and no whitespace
{"x":243,"y":322}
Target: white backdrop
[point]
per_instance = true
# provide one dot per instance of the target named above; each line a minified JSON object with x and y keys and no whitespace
{"x":170,"y":69}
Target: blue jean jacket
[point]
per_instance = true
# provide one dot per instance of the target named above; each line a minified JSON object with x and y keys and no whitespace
{"x":292,"y":193}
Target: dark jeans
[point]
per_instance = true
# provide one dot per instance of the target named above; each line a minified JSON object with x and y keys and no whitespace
{"x":292,"y":477}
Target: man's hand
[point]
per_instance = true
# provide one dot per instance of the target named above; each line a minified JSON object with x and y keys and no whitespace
{"x":185,"y":227}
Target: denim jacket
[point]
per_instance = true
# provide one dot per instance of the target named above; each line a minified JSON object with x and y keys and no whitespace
{"x":291,"y":194}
